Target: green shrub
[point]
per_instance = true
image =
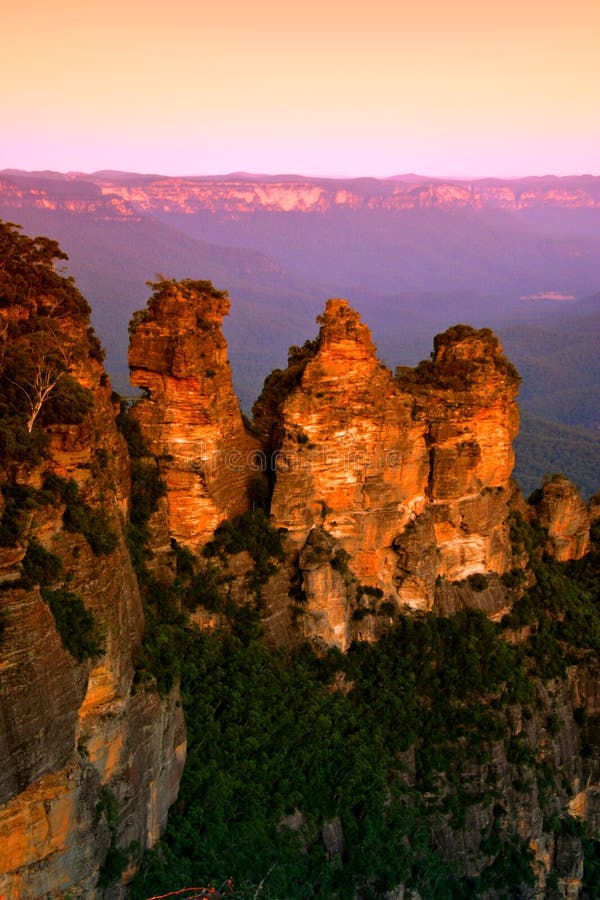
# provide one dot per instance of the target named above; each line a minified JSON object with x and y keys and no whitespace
{"x":340,"y":561}
{"x":75,"y":624}
{"x":39,"y":565}
{"x":526,"y":537}
{"x":251,"y":532}
{"x":146,"y":490}
{"x":129,"y":427}
{"x":68,"y":404}
{"x":17,"y":444}
{"x":113,"y":867}
{"x":93,"y":525}
{"x":370,"y":591}
{"x":387,"y":608}
{"x":478,"y":581}
{"x":513,"y":579}
{"x":19,"y":499}
{"x":206,"y":589}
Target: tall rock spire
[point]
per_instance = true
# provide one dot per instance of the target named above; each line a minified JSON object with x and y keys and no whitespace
{"x":190,"y":416}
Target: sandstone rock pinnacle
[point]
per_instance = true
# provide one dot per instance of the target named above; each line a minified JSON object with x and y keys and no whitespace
{"x":190,"y":416}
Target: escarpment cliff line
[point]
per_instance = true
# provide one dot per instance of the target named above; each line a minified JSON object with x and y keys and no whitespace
{"x":130,"y":196}
{"x":89,"y":768}
{"x":242,"y":197}
{"x":190,"y":416}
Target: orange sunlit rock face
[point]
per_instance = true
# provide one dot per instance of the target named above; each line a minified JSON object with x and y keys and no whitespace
{"x":468,"y":397}
{"x":190,"y":418}
{"x":562,"y":511}
{"x":352,"y":460}
{"x":409,"y":476}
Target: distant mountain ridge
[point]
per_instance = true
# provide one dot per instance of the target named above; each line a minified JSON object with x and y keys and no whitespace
{"x":241,"y":192}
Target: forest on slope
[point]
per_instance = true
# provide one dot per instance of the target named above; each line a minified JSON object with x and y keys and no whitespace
{"x":409,"y":762}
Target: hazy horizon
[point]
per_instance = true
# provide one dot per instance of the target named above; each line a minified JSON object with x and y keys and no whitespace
{"x":457,"y":89}
{"x":354,"y":176}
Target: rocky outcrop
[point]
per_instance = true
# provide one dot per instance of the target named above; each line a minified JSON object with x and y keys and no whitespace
{"x":467,"y":396}
{"x":87,"y":765}
{"x":383,"y":484}
{"x":408,"y":476}
{"x":350,"y":461}
{"x":189,"y":415}
{"x":562,"y":512}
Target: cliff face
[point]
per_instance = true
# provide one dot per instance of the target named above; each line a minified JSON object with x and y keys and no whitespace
{"x":190,"y":416}
{"x":130,"y":197}
{"x":65,"y":195}
{"x":408,"y":476}
{"x":320,"y":195}
{"x":87,"y":766}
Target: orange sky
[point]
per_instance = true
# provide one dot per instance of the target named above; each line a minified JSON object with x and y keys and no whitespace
{"x":328,"y":87}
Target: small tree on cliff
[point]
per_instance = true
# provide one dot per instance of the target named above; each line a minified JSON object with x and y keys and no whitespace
{"x":36,"y":379}
{"x":34,"y":367}
{"x":41,"y":312}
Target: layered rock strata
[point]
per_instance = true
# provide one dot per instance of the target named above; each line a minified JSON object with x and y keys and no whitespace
{"x":190,"y":416}
{"x":87,"y":766}
{"x":408,"y":475}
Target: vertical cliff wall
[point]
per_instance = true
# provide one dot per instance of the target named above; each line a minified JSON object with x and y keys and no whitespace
{"x":190,"y":416}
{"x":88,"y":768}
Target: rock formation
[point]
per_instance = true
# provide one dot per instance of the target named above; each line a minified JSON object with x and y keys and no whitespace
{"x":408,"y":476}
{"x":467,"y":397}
{"x":190,"y":416}
{"x":563,"y":513}
{"x":87,"y":766}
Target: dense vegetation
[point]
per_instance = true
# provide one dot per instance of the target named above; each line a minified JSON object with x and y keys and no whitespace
{"x":38,"y":348}
{"x":379,"y":745}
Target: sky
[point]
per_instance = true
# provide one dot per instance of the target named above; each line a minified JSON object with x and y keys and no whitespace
{"x":318,"y":87}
